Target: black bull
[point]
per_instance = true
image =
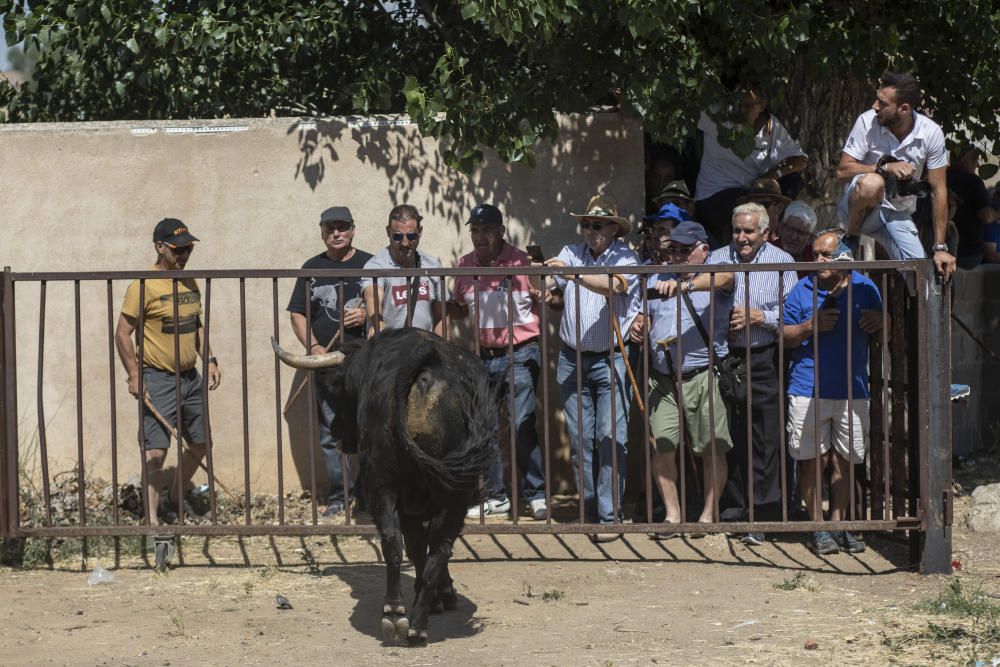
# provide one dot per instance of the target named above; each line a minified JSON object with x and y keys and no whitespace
{"x":423,"y":415}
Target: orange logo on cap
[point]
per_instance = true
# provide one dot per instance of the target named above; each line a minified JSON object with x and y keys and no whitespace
{"x":180,"y":230}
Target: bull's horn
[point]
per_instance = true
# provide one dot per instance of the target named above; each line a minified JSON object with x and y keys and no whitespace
{"x":308,"y":361}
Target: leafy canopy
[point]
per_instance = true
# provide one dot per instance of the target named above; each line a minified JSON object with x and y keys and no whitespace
{"x":492,"y":73}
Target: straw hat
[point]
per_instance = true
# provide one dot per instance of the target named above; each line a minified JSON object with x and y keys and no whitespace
{"x":605,"y":208}
{"x":763,"y":190}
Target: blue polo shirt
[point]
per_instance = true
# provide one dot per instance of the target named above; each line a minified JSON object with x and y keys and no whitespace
{"x":833,"y":343}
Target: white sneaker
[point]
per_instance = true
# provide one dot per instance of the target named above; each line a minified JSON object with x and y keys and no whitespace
{"x":491,"y":507}
{"x":538,"y":508}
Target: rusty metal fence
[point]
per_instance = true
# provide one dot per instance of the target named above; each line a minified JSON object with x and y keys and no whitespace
{"x":902,"y":485}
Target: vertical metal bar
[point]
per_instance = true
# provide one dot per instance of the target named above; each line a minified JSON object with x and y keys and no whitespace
{"x":345,"y":467}
{"x":681,"y":461}
{"x":935,"y":437}
{"x":579,"y":397}
{"x":511,"y":400}
{"x":245,"y":390}
{"x":613,"y":397}
{"x":850,"y":394}
{"x":277,"y":406}
{"x":785,"y":490}
{"x":887,"y":494}
{"x":179,"y":425}
{"x":445,"y":322}
{"x":312,"y":408}
{"x":376,"y":306}
{"x":478,"y":350}
{"x":817,"y":469}
{"x":711,"y":393}
{"x":149,"y":513}
{"x":81,"y":473}
{"x":749,"y":404}
{"x":9,"y":516}
{"x":544,"y":335}
{"x":114,"y":410}
{"x":206,"y":419}
{"x":43,"y":447}
{"x":647,"y":440}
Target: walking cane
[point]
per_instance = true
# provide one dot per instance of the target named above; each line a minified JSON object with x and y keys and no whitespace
{"x":635,"y":389}
{"x":180,"y":443}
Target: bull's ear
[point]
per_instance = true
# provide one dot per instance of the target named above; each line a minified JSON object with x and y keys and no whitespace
{"x":307,"y":361}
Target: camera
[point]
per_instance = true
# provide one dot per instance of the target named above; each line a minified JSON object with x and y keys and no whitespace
{"x":896,"y":188}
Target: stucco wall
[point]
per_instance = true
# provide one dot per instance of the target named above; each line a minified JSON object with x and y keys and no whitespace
{"x":85,"y":197}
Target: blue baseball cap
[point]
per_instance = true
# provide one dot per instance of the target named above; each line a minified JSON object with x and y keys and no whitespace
{"x":688,"y":233}
{"x":668,"y":212}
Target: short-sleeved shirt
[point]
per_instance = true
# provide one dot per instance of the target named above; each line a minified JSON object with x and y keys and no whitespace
{"x":923,"y":146}
{"x":325,"y":292}
{"x":721,"y":168}
{"x":159,"y":326}
{"x":973,"y":195}
{"x":595,"y":327}
{"x":395,"y":292}
{"x":494,"y":292}
{"x":663,"y":327}
{"x":833,"y":343}
{"x":767,"y":289}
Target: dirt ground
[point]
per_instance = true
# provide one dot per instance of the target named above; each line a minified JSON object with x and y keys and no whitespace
{"x":545,"y":600}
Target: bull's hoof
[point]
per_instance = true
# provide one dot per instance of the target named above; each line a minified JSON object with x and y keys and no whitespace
{"x":417,"y":637}
{"x":395,"y":624}
{"x":449,"y":598}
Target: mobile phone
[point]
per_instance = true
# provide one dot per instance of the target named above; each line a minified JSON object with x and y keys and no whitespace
{"x":535,"y":253}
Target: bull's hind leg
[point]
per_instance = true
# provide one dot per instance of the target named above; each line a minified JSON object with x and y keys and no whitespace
{"x":415,"y":539}
{"x":442,"y":533}
{"x":395,"y":625}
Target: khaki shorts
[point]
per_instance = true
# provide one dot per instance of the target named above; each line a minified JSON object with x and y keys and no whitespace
{"x":834,"y":428}
{"x":664,"y":422}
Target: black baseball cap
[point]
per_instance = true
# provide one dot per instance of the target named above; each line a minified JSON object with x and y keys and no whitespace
{"x":173,"y":232}
{"x":486,"y":214}
{"x":336,"y":214}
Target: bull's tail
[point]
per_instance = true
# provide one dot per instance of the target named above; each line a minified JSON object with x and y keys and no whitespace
{"x":460,"y":464}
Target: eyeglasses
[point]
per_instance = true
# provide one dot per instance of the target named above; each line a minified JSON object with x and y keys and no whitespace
{"x":181,"y":250}
{"x":410,"y":236}
{"x":596,"y":225}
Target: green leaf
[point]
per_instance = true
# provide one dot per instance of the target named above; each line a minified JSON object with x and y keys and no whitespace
{"x":132,"y":45}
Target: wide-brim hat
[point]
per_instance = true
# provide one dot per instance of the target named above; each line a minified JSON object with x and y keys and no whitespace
{"x":605,"y":209}
{"x":675,"y":190}
{"x":764,"y":189}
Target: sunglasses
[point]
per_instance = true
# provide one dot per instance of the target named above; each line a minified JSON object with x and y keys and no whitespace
{"x":181,"y":250}
{"x":596,"y":225}
{"x":410,"y":236}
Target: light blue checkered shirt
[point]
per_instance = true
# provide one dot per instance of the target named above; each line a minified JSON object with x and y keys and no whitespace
{"x":595,"y":327}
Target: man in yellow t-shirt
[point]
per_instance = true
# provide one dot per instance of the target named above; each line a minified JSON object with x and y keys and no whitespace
{"x":172,"y":339}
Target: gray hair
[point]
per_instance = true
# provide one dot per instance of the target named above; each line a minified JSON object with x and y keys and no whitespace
{"x":802,"y":211}
{"x":752,"y":209}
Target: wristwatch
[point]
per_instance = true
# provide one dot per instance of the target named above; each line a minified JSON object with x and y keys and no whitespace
{"x":687,"y":286}
{"x":213,"y":360}
{"x":940,"y":247}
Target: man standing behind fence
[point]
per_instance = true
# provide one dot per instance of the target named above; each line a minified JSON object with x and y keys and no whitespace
{"x":172,"y":339}
{"x":753,"y":335}
{"x":404,"y":302}
{"x":337,"y":231}
{"x":492,"y":296}
{"x":586,"y":328}
{"x":842,"y":421}
{"x":705,"y":430}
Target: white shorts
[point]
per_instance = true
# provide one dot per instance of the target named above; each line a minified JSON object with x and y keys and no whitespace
{"x":834,"y":427}
{"x":893,"y":229}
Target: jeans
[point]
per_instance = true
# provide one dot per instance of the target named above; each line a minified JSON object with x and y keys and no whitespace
{"x":591,"y":430}
{"x":893,"y":230}
{"x":333,"y":459}
{"x":527,"y":366}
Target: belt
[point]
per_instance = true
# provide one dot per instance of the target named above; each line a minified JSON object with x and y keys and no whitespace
{"x":494,"y":352}
{"x":684,"y":376}
{"x":601,"y":353}
{"x":754,"y":350}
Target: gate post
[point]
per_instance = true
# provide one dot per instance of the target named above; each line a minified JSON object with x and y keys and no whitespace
{"x":935,"y":450}
{"x":8,"y":423}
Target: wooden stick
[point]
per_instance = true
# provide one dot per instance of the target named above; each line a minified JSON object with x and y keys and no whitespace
{"x":180,"y":443}
{"x":305,"y":380}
